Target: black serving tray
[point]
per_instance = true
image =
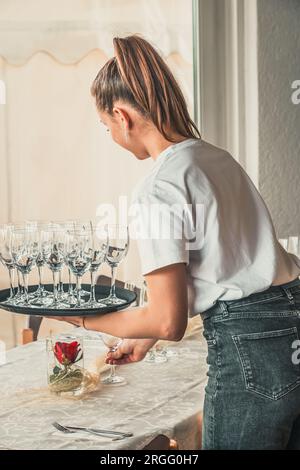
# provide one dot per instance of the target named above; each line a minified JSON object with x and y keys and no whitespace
{"x":101,"y":292}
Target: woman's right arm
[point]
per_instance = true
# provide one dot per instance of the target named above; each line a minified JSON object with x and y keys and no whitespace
{"x":130,"y":350}
{"x":165,"y":315}
{"x":166,"y":292}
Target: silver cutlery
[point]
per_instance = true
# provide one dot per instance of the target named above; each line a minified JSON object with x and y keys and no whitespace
{"x":105,"y":431}
{"x":113,"y":435}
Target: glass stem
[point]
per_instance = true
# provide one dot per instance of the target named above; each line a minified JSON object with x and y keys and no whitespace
{"x":112,"y":371}
{"x":40,"y":279}
{"x":25,"y":282}
{"x":55,"y":291}
{"x":70,"y":283}
{"x":61,"y":285}
{"x":112,"y":367}
{"x":78,"y":290}
{"x":113,"y":281}
{"x":93,"y":293}
{"x":11,"y":284}
{"x":19,"y":292}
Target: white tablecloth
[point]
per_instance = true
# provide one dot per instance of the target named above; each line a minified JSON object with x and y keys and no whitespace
{"x":162,"y":398}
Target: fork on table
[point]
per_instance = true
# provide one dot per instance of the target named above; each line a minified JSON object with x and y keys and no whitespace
{"x":113,"y":435}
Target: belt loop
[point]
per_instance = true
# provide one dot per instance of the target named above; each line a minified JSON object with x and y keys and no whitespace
{"x":289,"y":295}
{"x":224,"y":309}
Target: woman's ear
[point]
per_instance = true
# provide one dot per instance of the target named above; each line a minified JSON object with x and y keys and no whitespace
{"x":122,"y":116}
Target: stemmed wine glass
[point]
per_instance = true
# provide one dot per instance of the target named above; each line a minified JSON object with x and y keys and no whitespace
{"x":40,"y":297}
{"x":24,"y":250}
{"x":78,"y":245}
{"x":53,"y":246}
{"x":118,"y":244}
{"x":112,"y":342}
{"x":19,"y":296}
{"x":6,"y":257}
{"x":100,"y":247}
{"x":74,"y":224}
{"x":79,"y":255}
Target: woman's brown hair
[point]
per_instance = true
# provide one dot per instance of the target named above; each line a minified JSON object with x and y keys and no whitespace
{"x":140,"y":77}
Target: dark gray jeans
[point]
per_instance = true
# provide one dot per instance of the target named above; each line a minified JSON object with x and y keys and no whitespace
{"x":252,"y":398}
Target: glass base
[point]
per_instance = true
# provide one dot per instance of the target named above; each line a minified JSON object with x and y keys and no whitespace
{"x":19,"y":299}
{"x":171,"y":353}
{"x":39,"y":293}
{"x":83,"y":292}
{"x":41,"y":301}
{"x":10,"y":301}
{"x":68,"y":299}
{"x":115,"y":380}
{"x":95,"y":304}
{"x":154,"y":358}
{"x":58,"y":305}
{"x":83,"y":304}
{"x":112,"y":300}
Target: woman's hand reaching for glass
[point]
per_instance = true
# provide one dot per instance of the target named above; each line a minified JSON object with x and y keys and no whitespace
{"x":130,"y":350}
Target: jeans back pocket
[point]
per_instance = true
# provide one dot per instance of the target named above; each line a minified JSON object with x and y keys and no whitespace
{"x":267,"y":364}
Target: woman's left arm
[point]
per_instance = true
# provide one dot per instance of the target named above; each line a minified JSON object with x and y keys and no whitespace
{"x":164,"y":317}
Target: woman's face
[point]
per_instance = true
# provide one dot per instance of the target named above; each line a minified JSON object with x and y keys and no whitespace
{"x":127,"y":128}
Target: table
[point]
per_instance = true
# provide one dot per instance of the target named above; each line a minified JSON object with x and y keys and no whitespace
{"x":159,"y":399}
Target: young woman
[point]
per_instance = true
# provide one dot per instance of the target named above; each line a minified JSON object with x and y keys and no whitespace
{"x":240,"y":279}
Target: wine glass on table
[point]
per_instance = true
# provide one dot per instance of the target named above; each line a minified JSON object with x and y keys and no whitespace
{"x":112,"y":343}
{"x":25,"y":248}
{"x":118,"y":244}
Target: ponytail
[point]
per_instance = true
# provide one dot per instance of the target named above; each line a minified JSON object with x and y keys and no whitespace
{"x":139,"y":76}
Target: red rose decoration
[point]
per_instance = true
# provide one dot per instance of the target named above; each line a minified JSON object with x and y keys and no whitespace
{"x":67,"y":353}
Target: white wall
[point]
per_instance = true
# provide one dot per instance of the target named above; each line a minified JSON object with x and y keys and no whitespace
{"x":279,"y":119}
{"x":229,"y":101}
{"x":250,"y":56}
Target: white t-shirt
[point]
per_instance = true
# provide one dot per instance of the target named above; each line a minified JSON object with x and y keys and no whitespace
{"x":239,"y":254}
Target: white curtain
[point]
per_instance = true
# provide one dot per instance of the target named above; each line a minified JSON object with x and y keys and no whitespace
{"x":70,"y":29}
{"x":56,"y":159}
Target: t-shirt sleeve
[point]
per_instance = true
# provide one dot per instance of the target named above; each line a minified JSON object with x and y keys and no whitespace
{"x":159,"y":228}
